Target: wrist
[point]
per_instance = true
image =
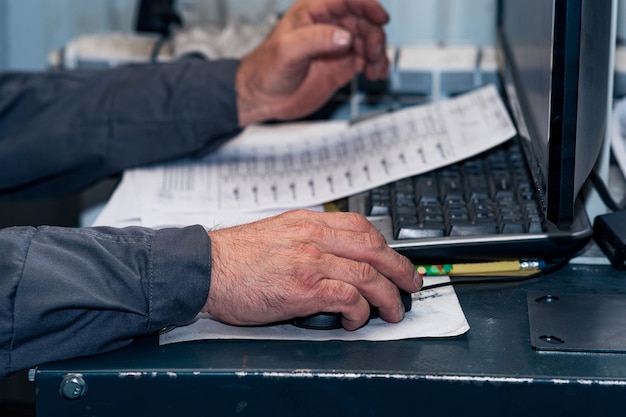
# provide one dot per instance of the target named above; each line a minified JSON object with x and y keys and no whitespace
{"x":250,"y":108}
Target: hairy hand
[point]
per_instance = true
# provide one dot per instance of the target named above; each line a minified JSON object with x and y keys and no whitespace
{"x":303,"y":262}
{"x":316,"y":48}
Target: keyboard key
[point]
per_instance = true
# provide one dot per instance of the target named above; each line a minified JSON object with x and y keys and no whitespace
{"x":484,"y":216}
{"x":405,"y":211}
{"x":426,"y":189}
{"x":471,"y":229}
{"x":379,"y":210}
{"x":535,"y":227}
{"x":513,"y":227}
{"x":379,"y":202}
{"x":415,"y":231}
{"x":489,"y":194}
{"x":430,"y":208}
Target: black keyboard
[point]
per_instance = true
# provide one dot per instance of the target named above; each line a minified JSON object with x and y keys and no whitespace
{"x":485,"y":195}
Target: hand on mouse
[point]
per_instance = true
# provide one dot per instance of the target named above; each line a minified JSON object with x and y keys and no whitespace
{"x":304,"y":262}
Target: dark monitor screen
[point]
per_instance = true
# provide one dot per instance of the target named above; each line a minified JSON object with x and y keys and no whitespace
{"x":554,"y":58}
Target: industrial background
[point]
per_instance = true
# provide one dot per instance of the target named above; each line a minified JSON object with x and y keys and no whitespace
{"x":30,"y":29}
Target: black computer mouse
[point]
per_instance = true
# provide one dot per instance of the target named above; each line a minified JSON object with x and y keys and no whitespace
{"x":329,"y":321}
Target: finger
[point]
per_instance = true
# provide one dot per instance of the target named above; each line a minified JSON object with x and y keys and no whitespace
{"x":336,"y":296}
{"x":364,"y":19}
{"x":377,"y":70}
{"x":351,"y":236}
{"x":371,"y":284}
{"x":369,"y":40}
{"x":310,"y":41}
{"x":375,"y":41}
{"x":370,"y":10}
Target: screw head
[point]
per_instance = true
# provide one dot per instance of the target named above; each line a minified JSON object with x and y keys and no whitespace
{"x":73,"y":386}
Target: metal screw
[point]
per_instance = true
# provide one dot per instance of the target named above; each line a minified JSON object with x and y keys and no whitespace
{"x":73,"y":386}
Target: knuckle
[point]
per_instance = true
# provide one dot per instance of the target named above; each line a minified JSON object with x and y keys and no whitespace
{"x":377,"y":241}
{"x":358,"y":218}
{"x":357,"y":221}
{"x":310,"y":231}
{"x":346,"y":295}
{"x":311,"y":252}
{"x":364,"y":272}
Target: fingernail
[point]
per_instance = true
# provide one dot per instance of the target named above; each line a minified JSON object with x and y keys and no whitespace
{"x":342,"y":37}
{"x":418,"y":280}
{"x":401,"y":310}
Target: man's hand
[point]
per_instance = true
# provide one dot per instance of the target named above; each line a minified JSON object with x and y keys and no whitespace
{"x":316,"y":48}
{"x":303,"y":262}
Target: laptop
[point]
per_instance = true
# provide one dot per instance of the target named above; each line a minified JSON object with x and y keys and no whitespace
{"x":554,"y":68}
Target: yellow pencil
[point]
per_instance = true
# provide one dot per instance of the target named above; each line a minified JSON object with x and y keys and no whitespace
{"x":482,"y":268}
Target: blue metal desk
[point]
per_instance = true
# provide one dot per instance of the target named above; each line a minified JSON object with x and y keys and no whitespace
{"x":491,"y":370}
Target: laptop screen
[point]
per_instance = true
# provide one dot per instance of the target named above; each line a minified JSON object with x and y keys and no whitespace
{"x":554,"y":58}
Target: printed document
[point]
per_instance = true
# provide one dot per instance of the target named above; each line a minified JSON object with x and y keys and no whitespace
{"x":272,"y":168}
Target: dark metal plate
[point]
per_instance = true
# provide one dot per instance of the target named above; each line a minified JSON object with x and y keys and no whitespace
{"x":577,"y":322}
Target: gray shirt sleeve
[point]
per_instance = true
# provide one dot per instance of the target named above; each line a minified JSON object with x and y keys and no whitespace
{"x":67,"y":292}
{"x":60,"y":131}
{"x":73,"y":292}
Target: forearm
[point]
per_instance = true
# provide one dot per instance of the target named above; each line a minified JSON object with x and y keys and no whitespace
{"x":73,"y":292}
{"x":61,"y":131}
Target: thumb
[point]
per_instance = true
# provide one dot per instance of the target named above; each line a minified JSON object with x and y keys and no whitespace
{"x":313,"y":40}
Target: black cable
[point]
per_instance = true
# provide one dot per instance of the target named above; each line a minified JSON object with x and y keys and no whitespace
{"x":157,"y":16}
{"x":156,"y":49}
{"x":604,"y":193}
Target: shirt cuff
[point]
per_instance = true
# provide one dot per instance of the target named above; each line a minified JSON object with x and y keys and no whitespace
{"x":180,"y":276}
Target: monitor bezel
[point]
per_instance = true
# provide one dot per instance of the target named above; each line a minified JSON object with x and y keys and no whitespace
{"x":553,"y":163}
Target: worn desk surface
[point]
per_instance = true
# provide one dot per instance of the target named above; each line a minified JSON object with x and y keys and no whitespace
{"x":491,"y":370}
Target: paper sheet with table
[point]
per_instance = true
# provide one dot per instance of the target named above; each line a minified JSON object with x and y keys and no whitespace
{"x":269,"y":169}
